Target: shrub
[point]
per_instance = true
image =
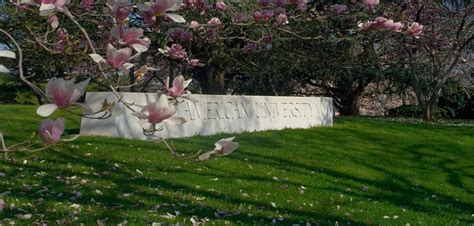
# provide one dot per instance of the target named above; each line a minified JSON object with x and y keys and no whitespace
{"x":456,"y":100}
{"x":406,"y":111}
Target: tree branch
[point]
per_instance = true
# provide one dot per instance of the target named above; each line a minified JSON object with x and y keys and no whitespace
{"x":20,"y":66}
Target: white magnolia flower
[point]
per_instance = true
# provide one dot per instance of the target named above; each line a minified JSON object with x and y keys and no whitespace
{"x":223,"y":147}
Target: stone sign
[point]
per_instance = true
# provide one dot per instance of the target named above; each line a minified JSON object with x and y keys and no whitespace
{"x":213,"y":114}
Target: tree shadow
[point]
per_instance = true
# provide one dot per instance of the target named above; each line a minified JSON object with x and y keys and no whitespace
{"x":129,"y":181}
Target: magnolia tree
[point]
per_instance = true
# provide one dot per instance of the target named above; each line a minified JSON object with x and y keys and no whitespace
{"x":444,"y":49}
{"x":222,"y":34}
{"x":121,"y":37}
{"x":435,"y":44}
{"x":362,"y":41}
{"x":351,"y":46}
{"x":124,"y":40}
{"x":115,"y":53}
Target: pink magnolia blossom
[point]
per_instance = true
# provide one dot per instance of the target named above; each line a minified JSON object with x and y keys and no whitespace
{"x":121,"y":9}
{"x":117,"y":59}
{"x":397,"y":27}
{"x":159,"y":112}
{"x":195,"y":63}
{"x":221,"y":6}
{"x":163,"y":8}
{"x":339,"y":8}
{"x":53,"y":21}
{"x":393,"y":26}
{"x":61,"y":40}
{"x":63,"y":93}
{"x":50,"y":131}
{"x":367,"y":25}
{"x":61,"y":34}
{"x":415,"y":29}
{"x":179,"y":86}
{"x":380,"y":20}
{"x":176,"y":52}
{"x":282,"y":19}
{"x":382,"y":23}
{"x":48,"y":7}
{"x":159,"y":7}
{"x":194,"y":24}
{"x":371,"y":4}
{"x":257,"y":16}
{"x":87,"y":5}
{"x":214,"y":21}
{"x":131,"y":37}
{"x":373,"y":25}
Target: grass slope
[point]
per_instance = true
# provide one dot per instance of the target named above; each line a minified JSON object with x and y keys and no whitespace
{"x":360,"y":171}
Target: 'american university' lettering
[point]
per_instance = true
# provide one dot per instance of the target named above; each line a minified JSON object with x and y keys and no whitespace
{"x":213,"y":114}
{"x":230,"y":110}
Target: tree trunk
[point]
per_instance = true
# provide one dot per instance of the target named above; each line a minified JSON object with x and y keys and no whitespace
{"x":350,"y":96}
{"x":349,"y":105}
{"x":211,"y":80}
{"x":429,"y":111}
{"x":430,"y":107}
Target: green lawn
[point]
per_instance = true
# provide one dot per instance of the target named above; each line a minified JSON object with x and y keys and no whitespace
{"x":361,"y":171}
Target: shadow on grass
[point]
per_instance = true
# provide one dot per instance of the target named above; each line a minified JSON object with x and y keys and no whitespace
{"x":389,"y":158}
{"x":130,"y":182}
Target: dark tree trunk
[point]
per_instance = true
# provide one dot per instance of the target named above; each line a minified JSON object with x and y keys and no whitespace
{"x":430,"y":108}
{"x":349,"y":105}
{"x":347,"y":101}
{"x":428,"y":114}
{"x":211,"y":80}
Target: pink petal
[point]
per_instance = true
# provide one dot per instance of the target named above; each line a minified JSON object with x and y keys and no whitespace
{"x":111,"y":51}
{"x":53,"y":20}
{"x":158,"y":111}
{"x":57,"y":129}
{"x":50,"y":131}
{"x":60,"y":91}
{"x":178,"y":86}
{"x":160,"y":7}
{"x":132,"y":34}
